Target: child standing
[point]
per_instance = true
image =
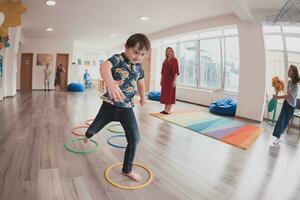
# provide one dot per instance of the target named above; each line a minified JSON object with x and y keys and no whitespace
{"x":87,"y":79}
{"x":123,"y":75}
{"x":289,"y":104}
{"x":47,"y":73}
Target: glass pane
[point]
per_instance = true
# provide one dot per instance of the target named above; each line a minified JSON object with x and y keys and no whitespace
{"x":232,"y":64}
{"x":231,"y":31}
{"x":291,"y":29}
{"x":210,"y":34}
{"x":210,"y":64}
{"x":275,"y":67}
{"x":169,"y":41}
{"x":271,"y":29}
{"x":187,"y":59}
{"x":294,"y":59}
{"x":188,"y":37}
{"x":293,"y":44}
{"x":273,"y":42}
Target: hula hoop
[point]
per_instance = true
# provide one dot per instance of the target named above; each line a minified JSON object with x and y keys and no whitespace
{"x":115,"y":145}
{"x":73,"y":130}
{"x":128,"y":187}
{"x":89,"y":122}
{"x":110,"y":128}
{"x":67,"y":146}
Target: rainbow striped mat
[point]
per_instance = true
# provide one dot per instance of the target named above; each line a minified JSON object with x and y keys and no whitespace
{"x":228,"y":130}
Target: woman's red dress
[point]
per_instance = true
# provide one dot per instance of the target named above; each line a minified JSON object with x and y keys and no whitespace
{"x":168,"y":72}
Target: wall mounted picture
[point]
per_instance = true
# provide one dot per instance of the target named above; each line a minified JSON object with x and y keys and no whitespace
{"x":79,"y":61}
{"x":43,"y":59}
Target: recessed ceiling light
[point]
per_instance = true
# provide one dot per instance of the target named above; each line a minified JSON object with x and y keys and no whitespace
{"x":50,"y":3}
{"x":112,"y":35}
{"x":144,"y":18}
{"x":49,"y":29}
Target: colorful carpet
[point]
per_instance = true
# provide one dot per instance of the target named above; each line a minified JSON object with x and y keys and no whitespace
{"x":228,"y":130}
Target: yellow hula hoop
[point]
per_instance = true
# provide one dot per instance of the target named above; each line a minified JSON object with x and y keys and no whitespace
{"x":128,"y":187}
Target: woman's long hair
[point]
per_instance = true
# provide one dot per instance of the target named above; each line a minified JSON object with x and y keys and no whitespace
{"x":173,"y":54}
{"x":295,"y":77}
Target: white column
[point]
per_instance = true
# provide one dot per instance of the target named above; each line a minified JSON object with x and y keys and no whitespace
{"x":2,"y":53}
{"x":252,"y":85}
{"x":10,"y":66}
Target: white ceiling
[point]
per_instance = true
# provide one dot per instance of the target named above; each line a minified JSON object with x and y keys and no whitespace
{"x":264,"y":4}
{"x":91,"y":21}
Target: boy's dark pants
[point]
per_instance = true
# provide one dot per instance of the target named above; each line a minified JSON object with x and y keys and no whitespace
{"x":126,"y":117}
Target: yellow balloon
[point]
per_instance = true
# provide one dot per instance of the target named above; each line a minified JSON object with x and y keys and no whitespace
{"x":3,"y":31}
{"x":16,"y":9}
{"x":13,"y":22}
{"x":12,"y":11}
{"x":4,"y":2}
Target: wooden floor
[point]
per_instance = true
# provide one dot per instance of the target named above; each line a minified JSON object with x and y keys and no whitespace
{"x":34,"y":164}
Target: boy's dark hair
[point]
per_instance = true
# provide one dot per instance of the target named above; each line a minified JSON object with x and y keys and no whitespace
{"x":138,"y":39}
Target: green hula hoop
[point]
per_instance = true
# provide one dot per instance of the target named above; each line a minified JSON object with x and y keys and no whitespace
{"x":67,"y":146}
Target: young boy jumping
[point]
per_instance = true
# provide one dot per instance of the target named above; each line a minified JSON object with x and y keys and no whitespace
{"x":123,"y":75}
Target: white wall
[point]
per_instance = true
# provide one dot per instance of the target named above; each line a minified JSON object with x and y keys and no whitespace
{"x":51,"y":46}
{"x":202,"y":97}
{"x":251,"y":93}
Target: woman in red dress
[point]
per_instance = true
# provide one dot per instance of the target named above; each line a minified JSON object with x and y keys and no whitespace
{"x":169,"y":74}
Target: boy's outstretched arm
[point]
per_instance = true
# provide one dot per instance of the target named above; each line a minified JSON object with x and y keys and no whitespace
{"x":141,"y":89}
{"x":112,"y":86}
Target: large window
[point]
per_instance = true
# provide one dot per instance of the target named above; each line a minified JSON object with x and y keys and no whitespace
{"x":208,"y":59}
{"x":210,"y":64}
{"x":282,"y":44}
